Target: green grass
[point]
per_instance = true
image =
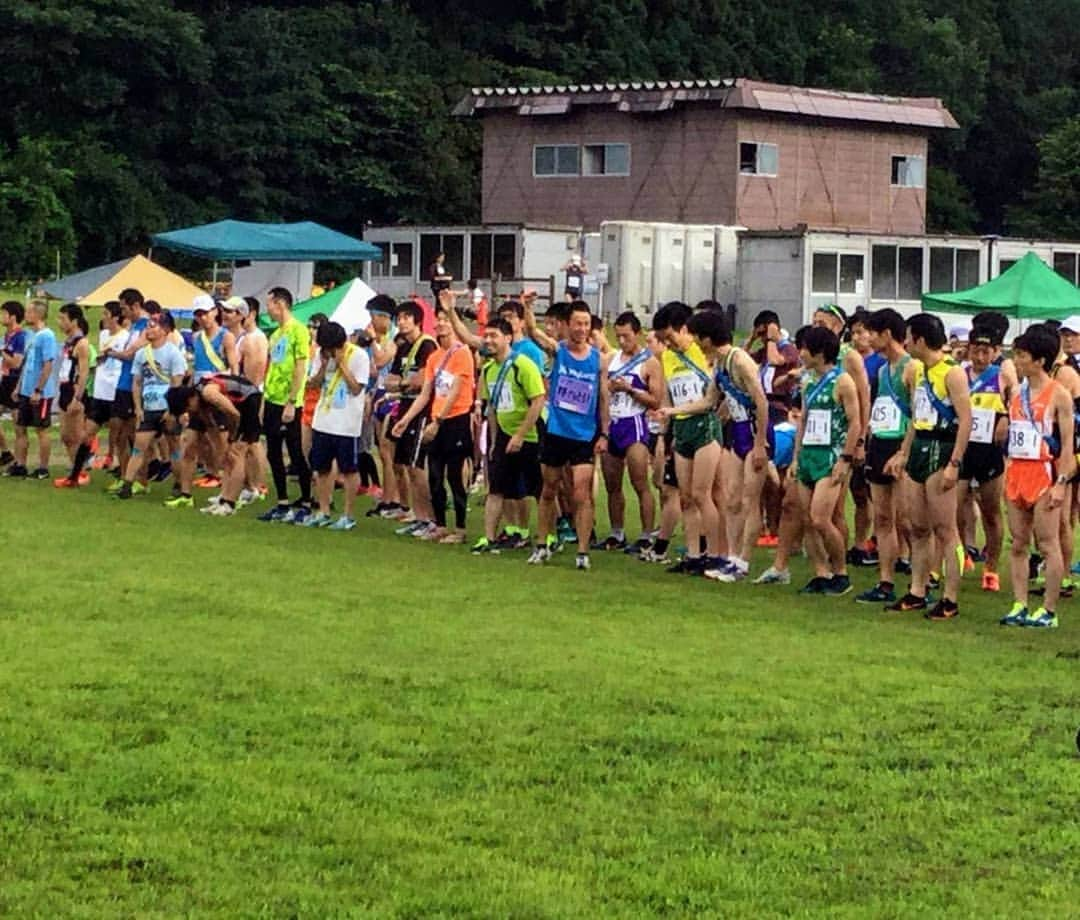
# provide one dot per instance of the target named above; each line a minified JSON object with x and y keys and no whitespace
{"x":221,"y":717}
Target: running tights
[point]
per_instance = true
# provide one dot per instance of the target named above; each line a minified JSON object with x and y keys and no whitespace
{"x":278,"y":435}
{"x":369,"y":472}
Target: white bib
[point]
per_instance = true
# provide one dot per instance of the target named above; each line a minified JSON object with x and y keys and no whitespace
{"x":1025,"y":441}
{"x":924,"y":410}
{"x":443,"y":381}
{"x":818,"y":429}
{"x":982,"y":426}
{"x":885,"y":415}
{"x":685,"y":388}
{"x":624,"y":406}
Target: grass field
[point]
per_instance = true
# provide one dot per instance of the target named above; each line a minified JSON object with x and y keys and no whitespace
{"x":221,"y":717}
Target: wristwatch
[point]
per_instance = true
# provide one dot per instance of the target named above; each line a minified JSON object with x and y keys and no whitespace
{"x":954,"y":463}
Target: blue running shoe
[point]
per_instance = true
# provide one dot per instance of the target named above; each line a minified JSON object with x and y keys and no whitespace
{"x":277,"y":513}
{"x":1017,"y":616}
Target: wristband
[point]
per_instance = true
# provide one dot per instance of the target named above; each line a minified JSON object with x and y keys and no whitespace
{"x":954,"y":463}
{"x":847,"y":458}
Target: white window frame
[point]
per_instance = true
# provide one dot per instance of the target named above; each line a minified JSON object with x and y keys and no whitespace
{"x":758,"y":171}
{"x":839,"y":254}
{"x":924,"y":269}
{"x":605,"y":145}
{"x":955,"y":265}
{"x":556,"y":175}
{"x":906,"y":157}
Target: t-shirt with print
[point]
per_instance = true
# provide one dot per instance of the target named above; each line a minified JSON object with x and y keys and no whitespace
{"x":288,"y":344}
{"x":338,"y":411}
{"x":510,"y":386}
{"x":530,"y":350}
{"x":441,"y":369}
{"x":109,"y":369}
{"x":409,"y":358}
{"x":41,"y":348}
{"x":156,"y":375}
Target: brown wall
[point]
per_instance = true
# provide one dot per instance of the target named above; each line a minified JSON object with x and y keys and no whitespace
{"x":684,"y":169}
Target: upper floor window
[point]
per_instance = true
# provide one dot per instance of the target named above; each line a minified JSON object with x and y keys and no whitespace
{"x":758,"y":159}
{"x":556,"y":160}
{"x":908,"y":172}
{"x":606,"y":160}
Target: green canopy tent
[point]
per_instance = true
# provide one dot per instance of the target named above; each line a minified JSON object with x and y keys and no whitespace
{"x":1030,"y":289}
{"x":345,"y":304}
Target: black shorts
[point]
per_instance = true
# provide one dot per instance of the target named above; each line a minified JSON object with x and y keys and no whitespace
{"x":326,"y":449}
{"x":98,"y":411}
{"x":859,"y":486}
{"x":409,"y":450}
{"x":982,"y":463}
{"x":31,"y":415}
{"x":123,"y":405}
{"x":66,"y":395}
{"x":453,"y":438}
{"x":514,"y":476}
{"x":878,"y":452}
{"x":155,"y":422}
{"x":8,"y":398}
{"x":249,"y":429}
{"x":560,"y":451}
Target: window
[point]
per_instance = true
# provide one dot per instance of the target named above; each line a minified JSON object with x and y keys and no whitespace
{"x":758,"y":159}
{"x":953,"y":269}
{"x":492,"y":255}
{"x":396,"y":261}
{"x":605,"y":160}
{"x":908,"y":172}
{"x":452,"y":244}
{"x":1065,"y":265}
{"x":835,"y":273}
{"x":556,"y":160}
{"x":1004,"y":265}
{"x":896,"y":272}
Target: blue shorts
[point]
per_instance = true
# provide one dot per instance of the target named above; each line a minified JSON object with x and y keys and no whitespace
{"x":326,"y":448}
{"x":626,"y":432}
{"x":739,"y":437}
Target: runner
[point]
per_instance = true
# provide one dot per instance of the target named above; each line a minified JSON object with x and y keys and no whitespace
{"x":74,"y":376}
{"x":636,"y":383}
{"x":253,"y":351}
{"x":689,"y":403}
{"x":283,"y":396}
{"x":824,"y":455}
{"x":213,"y":346}
{"x":890,"y":417}
{"x":778,"y":362}
{"x":11,"y":359}
{"x":448,"y":388}
{"x":744,"y":461}
{"x":122,"y":423}
{"x":1064,"y":373}
{"x":38,"y":387}
{"x":984,"y":460}
{"x":931,"y":454}
{"x":577,"y":429}
{"x":1040,"y":466}
{"x":342,"y":379}
{"x":157,"y":366}
{"x":863,"y":551}
{"x":513,"y":388}
{"x":381,"y":406}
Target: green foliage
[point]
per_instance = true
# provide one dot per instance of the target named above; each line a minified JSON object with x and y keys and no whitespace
{"x":1055,"y":202}
{"x":150,"y":114}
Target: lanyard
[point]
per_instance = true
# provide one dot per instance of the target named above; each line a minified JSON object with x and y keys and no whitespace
{"x":886,"y":378}
{"x":211,"y":353}
{"x":686,"y":362}
{"x":500,"y":381}
{"x":640,"y":358}
{"x":983,"y":377}
{"x":339,"y":375}
{"x":819,"y":386}
{"x":148,"y":353}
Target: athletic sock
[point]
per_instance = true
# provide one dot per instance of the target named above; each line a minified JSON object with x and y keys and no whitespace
{"x":82,"y":454}
{"x":224,"y":501}
{"x":661,"y":545}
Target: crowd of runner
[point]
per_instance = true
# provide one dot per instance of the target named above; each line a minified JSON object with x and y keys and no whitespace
{"x":743,"y":446}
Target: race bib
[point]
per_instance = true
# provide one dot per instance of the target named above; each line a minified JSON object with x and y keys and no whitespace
{"x":768,"y":375}
{"x":623,"y":405}
{"x":685,"y":388}
{"x":885,"y":415}
{"x":573,"y":395}
{"x":818,"y":429}
{"x":736,"y":410}
{"x":982,"y":426}
{"x":443,"y":381}
{"x":1025,"y":442}
{"x":924,"y":410}
{"x":505,"y":402}
{"x":340,"y":398}
{"x":65,"y":369}
{"x":277,"y":352}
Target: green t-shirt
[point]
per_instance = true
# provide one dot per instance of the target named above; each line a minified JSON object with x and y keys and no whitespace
{"x":511,"y":394}
{"x":288,"y":344}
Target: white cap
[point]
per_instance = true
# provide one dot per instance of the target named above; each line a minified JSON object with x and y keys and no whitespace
{"x":960,"y":331}
{"x":1070,"y":324}
{"x":203,"y":303}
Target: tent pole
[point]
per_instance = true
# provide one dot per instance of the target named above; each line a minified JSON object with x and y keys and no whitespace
{"x":213,"y":279}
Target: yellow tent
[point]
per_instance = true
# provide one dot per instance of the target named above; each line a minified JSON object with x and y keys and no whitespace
{"x":97,"y":286}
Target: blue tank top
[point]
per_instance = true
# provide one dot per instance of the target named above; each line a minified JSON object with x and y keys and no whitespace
{"x":573,"y":395}
{"x":873,"y":363}
{"x":203,"y":364}
{"x":124,"y":383}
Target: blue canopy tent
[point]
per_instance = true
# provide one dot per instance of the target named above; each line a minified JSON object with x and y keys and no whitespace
{"x":305,"y":241}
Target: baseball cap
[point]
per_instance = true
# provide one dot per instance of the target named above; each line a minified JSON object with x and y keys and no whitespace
{"x":236,"y":305}
{"x":203,"y":303}
{"x":1070,"y":324}
{"x":959,"y":331}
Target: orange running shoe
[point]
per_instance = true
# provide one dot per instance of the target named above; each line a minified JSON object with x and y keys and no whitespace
{"x":768,"y":541}
{"x":65,"y":483}
{"x":990,"y":581}
{"x":207,"y":482}
{"x":84,"y":478}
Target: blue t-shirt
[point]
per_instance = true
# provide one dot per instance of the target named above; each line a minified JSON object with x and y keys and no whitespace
{"x":42,"y":347}
{"x":156,"y":381}
{"x":530,"y":350}
{"x":573,"y":395}
{"x":784,"y":451}
{"x":872,"y":362}
{"x":14,"y":345}
{"x":124,"y":383}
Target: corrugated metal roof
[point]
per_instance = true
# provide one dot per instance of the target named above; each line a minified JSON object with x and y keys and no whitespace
{"x":661,"y":95}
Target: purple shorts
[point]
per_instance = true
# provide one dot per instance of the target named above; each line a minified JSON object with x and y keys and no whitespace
{"x":626,"y":432}
{"x":739,"y":437}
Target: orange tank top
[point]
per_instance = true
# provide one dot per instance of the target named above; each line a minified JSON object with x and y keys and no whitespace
{"x":1031,"y":429}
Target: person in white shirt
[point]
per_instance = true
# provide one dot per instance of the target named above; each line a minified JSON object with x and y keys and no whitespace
{"x":342,"y":377}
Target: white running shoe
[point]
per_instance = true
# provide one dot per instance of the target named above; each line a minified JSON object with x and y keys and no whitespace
{"x":539,"y":556}
{"x":582,"y":564}
{"x":773,"y":576}
{"x":219,"y":510}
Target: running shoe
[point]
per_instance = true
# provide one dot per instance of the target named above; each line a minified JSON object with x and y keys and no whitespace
{"x":768,"y":541}
{"x":610,"y":544}
{"x":275,"y":514}
{"x":113,"y":487}
{"x":137,"y":488}
{"x":975,"y":554}
{"x":40,"y":473}
{"x":1068,"y":588}
{"x":102,"y":463}
{"x":124,"y":492}
{"x":342,"y":523}
{"x":65,"y":482}
{"x":838,"y":586}
{"x":943,"y":610}
{"x":406,"y":529}
{"x":84,"y":478}
{"x":1042,"y":619}
{"x":427,"y":530}
{"x":219,"y":510}
{"x":638,"y":546}
{"x":481,"y":546}
{"x":688,"y":565}
{"x":318,"y":519}
{"x":651,"y":555}
{"x":991,"y":582}
{"x":582,"y":562}
{"x":453,"y":538}
{"x":727,"y":572}
{"x":16,"y":471}
{"x":909,"y":602}
{"x":249,"y":497}
{"x":816,"y":585}
{"x":773,"y":576}
{"x":1017,"y":616}
{"x":181,"y":501}
{"x":163,"y":473}
{"x":6,"y":457}
{"x":564,"y":530}
{"x":902,"y":567}
{"x":878,"y":594}
{"x":934,"y":582}
{"x":207,"y":482}
{"x":297,"y":515}
{"x":540,"y":556}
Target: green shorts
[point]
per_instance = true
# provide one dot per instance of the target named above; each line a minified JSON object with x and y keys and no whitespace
{"x":815,"y":464}
{"x":693,"y":433}
{"x":928,"y":456}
